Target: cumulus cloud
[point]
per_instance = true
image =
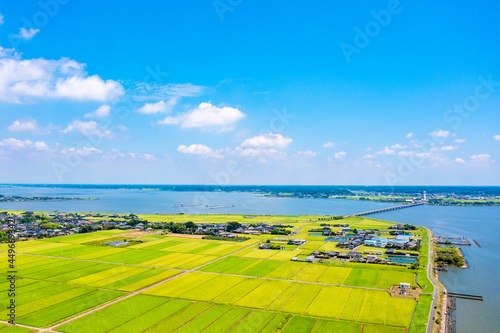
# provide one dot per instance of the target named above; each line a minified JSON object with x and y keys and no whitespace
{"x":19,"y":145}
{"x":368,"y":156}
{"x":206,"y":116}
{"x":23,"y":125}
{"x":29,"y":125}
{"x":496,"y":137}
{"x":101,"y":112}
{"x":449,"y":148}
{"x":459,"y":140}
{"x":409,"y":135}
{"x":340,"y":155}
{"x":268,"y":140}
{"x":88,"y":128}
{"x":199,"y":149}
{"x":481,"y":157}
{"x":386,"y":151}
{"x":27,"y":34}
{"x":459,"y":160}
{"x":398,"y":146}
{"x":440,"y":133}
{"x":1,"y":19}
{"x":329,"y":145}
{"x":33,"y":79}
{"x":159,"y":107}
{"x":84,"y":151}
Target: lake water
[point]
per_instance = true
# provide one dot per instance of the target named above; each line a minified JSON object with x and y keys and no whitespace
{"x":479,"y":223}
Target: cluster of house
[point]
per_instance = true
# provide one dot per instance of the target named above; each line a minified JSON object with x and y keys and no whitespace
{"x":353,"y":256}
{"x":219,"y":229}
{"x":400,"y":242}
{"x":69,"y":223}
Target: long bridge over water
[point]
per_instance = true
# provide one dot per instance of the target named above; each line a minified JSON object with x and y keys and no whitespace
{"x":387,"y":209}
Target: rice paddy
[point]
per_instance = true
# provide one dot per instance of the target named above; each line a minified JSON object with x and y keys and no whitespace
{"x":195,"y":285}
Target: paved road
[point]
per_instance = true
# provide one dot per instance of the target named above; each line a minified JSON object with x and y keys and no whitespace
{"x":430,"y":265}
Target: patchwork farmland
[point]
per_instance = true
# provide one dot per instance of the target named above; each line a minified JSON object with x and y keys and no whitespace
{"x":166,"y":283}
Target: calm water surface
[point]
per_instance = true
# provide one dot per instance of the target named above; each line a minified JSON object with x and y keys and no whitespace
{"x":479,"y":223}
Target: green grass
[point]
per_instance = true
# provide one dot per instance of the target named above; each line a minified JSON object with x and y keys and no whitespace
{"x":334,"y":275}
{"x":300,"y":325}
{"x":240,"y":290}
{"x":285,"y":296}
{"x":399,"y":312}
{"x":224,"y":323}
{"x":212,"y":288}
{"x":395,"y":278}
{"x":262,"y":268}
{"x":50,"y":315}
{"x":178,"y":319}
{"x":374,"y":307}
{"x":363,"y":278}
{"x":205,"y":319}
{"x":353,"y":305}
{"x":337,"y":326}
{"x":262,"y":296}
{"x":152,"y":317}
{"x":286,"y":271}
{"x":309,"y":273}
{"x":254,"y":322}
{"x":329,"y":302}
{"x":229,"y":265}
{"x":300,"y":301}
{"x":419,"y":323}
{"x":179,"y":285}
{"x":382,"y":329}
{"x":113,"y":315}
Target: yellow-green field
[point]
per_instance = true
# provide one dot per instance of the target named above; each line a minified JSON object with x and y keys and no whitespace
{"x":174,"y":284}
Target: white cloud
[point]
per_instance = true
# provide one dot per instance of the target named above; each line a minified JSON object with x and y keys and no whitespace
{"x":340,"y":155}
{"x":101,"y":112}
{"x":306,"y":153}
{"x":398,"y":146}
{"x":30,"y":125}
{"x":32,"y":79}
{"x":122,"y":127}
{"x":405,"y":153}
{"x":161,"y":106}
{"x":88,"y":128}
{"x":368,"y":156}
{"x":329,"y":145}
{"x":206,"y":116}
{"x":268,"y":140}
{"x":386,"y":151}
{"x":459,"y":160}
{"x":18,"y":145}
{"x":409,"y":135}
{"x":198,"y":149}
{"x":440,"y":133}
{"x":84,"y":151}
{"x":459,"y":140}
{"x":481,"y":157}
{"x":496,"y":137}
{"x":369,"y":149}
{"x":423,"y":155}
{"x":23,"y":125}
{"x":1,"y":19}
{"x":27,"y":34}
{"x":447,"y":148}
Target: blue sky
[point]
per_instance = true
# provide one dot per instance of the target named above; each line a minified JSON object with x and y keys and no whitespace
{"x":250,"y":92}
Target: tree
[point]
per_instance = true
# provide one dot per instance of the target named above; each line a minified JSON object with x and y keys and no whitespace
{"x":190,"y":225}
{"x":231,"y":226}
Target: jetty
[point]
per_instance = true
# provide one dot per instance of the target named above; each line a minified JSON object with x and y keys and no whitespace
{"x":465,"y":296}
{"x":476,"y":242}
{"x":387,"y":209}
{"x":452,"y":240}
